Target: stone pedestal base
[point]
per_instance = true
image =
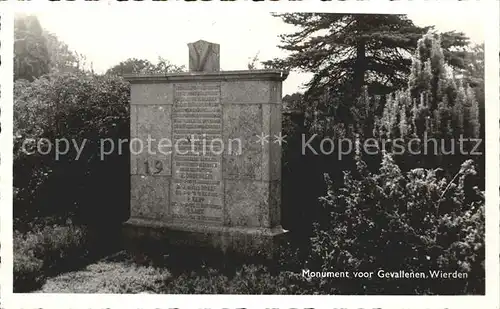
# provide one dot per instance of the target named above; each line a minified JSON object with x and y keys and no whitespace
{"x":261,"y":242}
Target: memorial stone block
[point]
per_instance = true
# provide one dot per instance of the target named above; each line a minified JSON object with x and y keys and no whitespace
{"x":210,"y":180}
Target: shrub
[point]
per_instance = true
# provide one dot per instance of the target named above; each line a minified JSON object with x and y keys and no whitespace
{"x":77,"y":107}
{"x":45,"y":252}
{"x":413,"y":222}
{"x":27,"y":270}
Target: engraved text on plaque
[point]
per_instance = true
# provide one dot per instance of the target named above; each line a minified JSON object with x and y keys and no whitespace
{"x":197,"y":177}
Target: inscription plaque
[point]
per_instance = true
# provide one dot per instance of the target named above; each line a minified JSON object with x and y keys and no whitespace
{"x":197,"y":193}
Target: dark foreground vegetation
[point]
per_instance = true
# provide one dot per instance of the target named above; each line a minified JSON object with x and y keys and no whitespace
{"x":361,"y":213}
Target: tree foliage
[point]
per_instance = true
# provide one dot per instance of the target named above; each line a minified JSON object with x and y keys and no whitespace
{"x":38,"y":52}
{"x":31,"y":56}
{"x":455,"y":47}
{"x":62,"y":58}
{"x":294,"y":101}
{"x":473,"y":72}
{"x":436,"y":102}
{"x":144,"y":66}
{"x":347,"y":52}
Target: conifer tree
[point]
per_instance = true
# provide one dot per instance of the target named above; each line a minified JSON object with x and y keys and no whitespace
{"x":436,"y":103}
{"x":347,"y":52}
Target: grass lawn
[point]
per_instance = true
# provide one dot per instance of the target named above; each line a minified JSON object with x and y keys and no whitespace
{"x":108,"y":277}
{"x":120,"y":274}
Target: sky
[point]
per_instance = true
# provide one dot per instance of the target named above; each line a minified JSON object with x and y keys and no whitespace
{"x":107,"y":36}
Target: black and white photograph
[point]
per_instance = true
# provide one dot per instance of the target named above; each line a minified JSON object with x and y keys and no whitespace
{"x":255,"y":152}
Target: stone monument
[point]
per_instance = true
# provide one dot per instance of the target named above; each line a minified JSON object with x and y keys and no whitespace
{"x":214,"y":176}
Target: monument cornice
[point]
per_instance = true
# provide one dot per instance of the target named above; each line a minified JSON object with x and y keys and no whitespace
{"x":274,"y":75}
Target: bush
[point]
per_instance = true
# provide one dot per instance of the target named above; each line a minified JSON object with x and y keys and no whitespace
{"x":45,"y":252}
{"x":413,"y":222}
{"x":27,"y":271}
{"x":76,"y":107}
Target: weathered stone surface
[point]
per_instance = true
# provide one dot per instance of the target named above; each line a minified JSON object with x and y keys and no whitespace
{"x":276,"y":92}
{"x":244,"y":240}
{"x":243,"y":123}
{"x":250,"y":203}
{"x":151,"y":94}
{"x":149,"y":197}
{"x":204,"y":56}
{"x":133,"y":134}
{"x":250,"y":92}
{"x":273,"y":124}
{"x":275,"y":203}
{"x":153,"y":125}
{"x":275,"y":148}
